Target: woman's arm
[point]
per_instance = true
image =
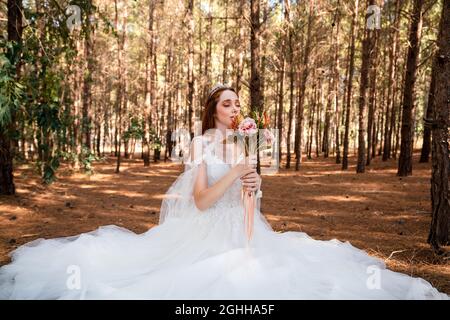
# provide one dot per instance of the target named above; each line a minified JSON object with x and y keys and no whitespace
{"x":205,"y":197}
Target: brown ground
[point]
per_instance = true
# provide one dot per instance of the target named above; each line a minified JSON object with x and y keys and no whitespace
{"x":385,"y":215}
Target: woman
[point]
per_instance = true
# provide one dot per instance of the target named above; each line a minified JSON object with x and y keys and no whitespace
{"x":200,"y":249}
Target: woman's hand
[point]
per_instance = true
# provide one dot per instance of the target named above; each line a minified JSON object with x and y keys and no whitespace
{"x":251,"y":181}
{"x":243,"y":168}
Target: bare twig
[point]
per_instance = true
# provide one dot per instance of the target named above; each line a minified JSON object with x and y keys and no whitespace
{"x":393,"y":252}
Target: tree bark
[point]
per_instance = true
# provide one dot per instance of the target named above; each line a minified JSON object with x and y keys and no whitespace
{"x":148,"y":97}
{"x":121,"y":88}
{"x":87,"y":82}
{"x":426,"y":144}
{"x":302,"y":88}
{"x":439,"y":229}
{"x":372,"y":97}
{"x":349,"y":86}
{"x":255,"y":80}
{"x":190,"y":95}
{"x":336,"y":83}
{"x":14,"y":26}
{"x":367,"y":47}
{"x":390,"y":106}
{"x":407,"y":130}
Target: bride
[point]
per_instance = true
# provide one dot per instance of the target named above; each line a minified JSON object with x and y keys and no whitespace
{"x":200,"y":250}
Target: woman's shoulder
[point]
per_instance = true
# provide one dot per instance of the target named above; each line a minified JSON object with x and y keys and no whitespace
{"x":200,"y":142}
{"x":204,"y":139}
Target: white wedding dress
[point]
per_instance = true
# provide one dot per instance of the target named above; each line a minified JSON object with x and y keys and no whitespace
{"x":202,"y":255}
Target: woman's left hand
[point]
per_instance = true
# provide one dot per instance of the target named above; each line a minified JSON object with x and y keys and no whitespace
{"x":251,"y":181}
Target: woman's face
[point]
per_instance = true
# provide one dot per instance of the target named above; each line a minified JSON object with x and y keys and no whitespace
{"x":227,"y":108}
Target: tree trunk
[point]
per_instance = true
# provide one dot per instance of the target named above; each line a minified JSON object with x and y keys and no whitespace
{"x":288,"y":42}
{"x":439,"y":228}
{"x":390,"y":111}
{"x":281,"y":108}
{"x":326,"y":128}
{"x":255,"y":84}
{"x":121,"y":88}
{"x":407,"y":130}
{"x":372,"y":97}
{"x":148,"y":97}
{"x":426,"y":144}
{"x":190,"y":95}
{"x":225,"y":47}
{"x":87,"y":84}
{"x":302,"y":87}
{"x":14,"y":26}
{"x":336,"y":87}
{"x":349,"y":87}
{"x":366,"y":62}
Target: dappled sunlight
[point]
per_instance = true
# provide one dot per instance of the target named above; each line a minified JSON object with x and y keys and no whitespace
{"x":335,"y":198}
{"x":162,"y":196}
{"x":124,"y":193}
{"x":86,"y":186}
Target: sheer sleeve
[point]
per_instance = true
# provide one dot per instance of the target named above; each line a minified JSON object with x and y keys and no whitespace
{"x":196,"y":155}
{"x":178,"y":202}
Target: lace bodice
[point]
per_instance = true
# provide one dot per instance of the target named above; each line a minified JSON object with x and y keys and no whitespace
{"x":216,"y":168}
{"x":231,"y":197}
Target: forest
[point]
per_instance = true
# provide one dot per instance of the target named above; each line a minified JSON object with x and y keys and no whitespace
{"x":94,"y":95}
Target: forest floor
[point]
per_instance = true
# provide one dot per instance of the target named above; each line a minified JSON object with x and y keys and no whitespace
{"x":386,"y":215}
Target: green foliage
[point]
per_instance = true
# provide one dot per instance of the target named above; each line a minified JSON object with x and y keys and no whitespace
{"x":135,"y":130}
{"x":47,"y":169}
{"x":68,"y":156}
{"x":11,"y":91}
{"x":87,"y":157}
{"x":50,"y":168}
{"x":156,"y":144}
{"x":46,"y":46}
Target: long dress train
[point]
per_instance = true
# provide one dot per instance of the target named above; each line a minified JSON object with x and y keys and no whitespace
{"x":202,"y":255}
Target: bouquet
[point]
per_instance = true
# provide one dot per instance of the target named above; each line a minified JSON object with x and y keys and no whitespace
{"x":252,"y":132}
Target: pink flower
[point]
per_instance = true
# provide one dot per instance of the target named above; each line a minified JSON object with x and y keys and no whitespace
{"x":247,"y":127}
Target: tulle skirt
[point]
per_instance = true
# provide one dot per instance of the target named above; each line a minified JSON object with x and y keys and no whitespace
{"x":204,"y":258}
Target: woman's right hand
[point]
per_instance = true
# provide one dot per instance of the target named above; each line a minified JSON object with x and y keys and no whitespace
{"x":244,"y":167}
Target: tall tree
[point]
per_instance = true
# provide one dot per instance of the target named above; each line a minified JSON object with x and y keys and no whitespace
{"x":290,"y":53}
{"x":372,"y":97}
{"x":190,"y":40}
{"x":149,"y":84}
{"x":302,"y":87}
{"x":280,"y":81}
{"x":407,"y":130}
{"x":255,"y":80}
{"x":7,"y":126}
{"x":349,"y":79}
{"x":366,"y":62}
{"x":426,"y":141}
{"x":121,"y":82}
{"x":390,"y":106}
{"x":87,"y":80}
{"x":225,"y":47}
{"x":336,"y":80}
{"x":440,"y":123}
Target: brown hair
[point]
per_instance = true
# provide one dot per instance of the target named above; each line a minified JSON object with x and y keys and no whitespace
{"x":208,"y":121}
